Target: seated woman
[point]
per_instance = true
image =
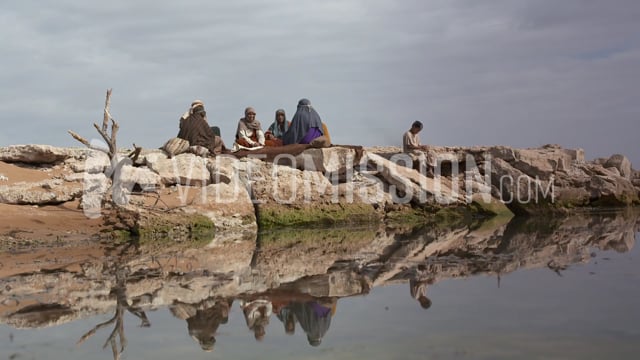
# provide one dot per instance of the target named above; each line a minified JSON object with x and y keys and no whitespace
{"x":195,"y":129}
{"x":306,"y":125}
{"x":276,"y":131}
{"x":249,"y":134}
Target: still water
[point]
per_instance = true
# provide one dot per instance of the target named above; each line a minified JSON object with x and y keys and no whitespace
{"x":526,"y":289}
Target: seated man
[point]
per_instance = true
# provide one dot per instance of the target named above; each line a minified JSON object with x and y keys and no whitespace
{"x":411,"y":144}
{"x":249,"y":134}
{"x":195,"y":129}
{"x":411,"y":140}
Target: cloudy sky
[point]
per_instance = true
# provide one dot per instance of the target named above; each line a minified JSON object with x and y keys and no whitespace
{"x":513,"y":72}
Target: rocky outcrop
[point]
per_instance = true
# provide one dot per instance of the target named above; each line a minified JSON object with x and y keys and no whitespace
{"x":336,"y":185}
{"x":535,"y":181}
{"x":37,"y":154}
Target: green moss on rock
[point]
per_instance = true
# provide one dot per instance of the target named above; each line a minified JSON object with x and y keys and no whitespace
{"x":172,"y":227}
{"x":315,"y":215}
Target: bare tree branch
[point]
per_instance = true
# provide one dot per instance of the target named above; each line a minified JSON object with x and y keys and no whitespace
{"x":107,"y":116}
{"x":79,"y":138}
{"x":93,"y":331}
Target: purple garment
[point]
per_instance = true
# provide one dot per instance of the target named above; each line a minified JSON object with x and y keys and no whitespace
{"x":312,"y":134}
{"x":320,"y":310}
{"x":305,"y":118}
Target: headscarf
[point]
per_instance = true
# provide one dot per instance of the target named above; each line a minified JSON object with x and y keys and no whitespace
{"x":194,"y":105}
{"x":245,"y":125}
{"x":304,"y":119}
{"x":275,"y":129}
{"x":314,"y":319}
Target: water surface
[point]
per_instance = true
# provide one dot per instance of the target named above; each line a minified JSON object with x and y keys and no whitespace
{"x":529,"y":289}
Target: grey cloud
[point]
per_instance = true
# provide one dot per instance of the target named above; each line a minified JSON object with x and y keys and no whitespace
{"x":516,"y":72}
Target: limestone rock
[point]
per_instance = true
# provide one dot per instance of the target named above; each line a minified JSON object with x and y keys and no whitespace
{"x":130,"y":176}
{"x":621,"y":163}
{"x":413,"y":186}
{"x":53,"y":191}
{"x":612,"y":191}
{"x":184,"y":169}
{"x":520,"y":192}
{"x":227,"y":205}
{"x":37,"y":154}
{"x":327,"y":160}
{"x":223,"y":169}
{"x":92,"y":161}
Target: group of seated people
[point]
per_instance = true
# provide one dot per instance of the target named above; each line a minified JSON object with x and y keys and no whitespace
{"x":306,"y":127}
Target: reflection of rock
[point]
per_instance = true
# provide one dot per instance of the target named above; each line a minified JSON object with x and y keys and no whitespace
{"x":289,"y":255}
{"x":315,"y":263}
{"x":523,"y":244}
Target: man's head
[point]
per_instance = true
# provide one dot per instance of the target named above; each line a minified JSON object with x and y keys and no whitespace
{"x":197,"y":107}
{"x":424,"y":301}
{"x":416,"y":127}
{"x":250,"y":114}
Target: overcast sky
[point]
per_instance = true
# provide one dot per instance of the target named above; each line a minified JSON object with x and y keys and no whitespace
{"x":512,"y":72}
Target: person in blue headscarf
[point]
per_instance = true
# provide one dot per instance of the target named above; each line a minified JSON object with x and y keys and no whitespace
{"x":277,"y":130}
{"x":306,"y":125}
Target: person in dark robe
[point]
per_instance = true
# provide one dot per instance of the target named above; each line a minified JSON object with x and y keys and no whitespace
{"x":306,"y":125}
{"x":314,"y":318}
{"x":285,"y":315}
{"x":195,"y":129}
{"x":203,"y":319}
{"x":278,"y":128}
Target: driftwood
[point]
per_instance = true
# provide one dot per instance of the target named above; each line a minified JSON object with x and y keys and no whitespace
{"x":110,"y":139}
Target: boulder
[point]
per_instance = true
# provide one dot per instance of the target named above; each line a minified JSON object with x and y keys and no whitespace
{"x":229,"y":206}
{"x":37,"y":154}
{"x":612,"y":191}
{"x":223,"y":169}
{"x":540,"y":163}
{"x":502,"y":152}
{"x":327,"y":160}
{"x":130,"y":176}
{"x":183,"y":169}
{"x":622,"y":164}
{"x":412,"y":186}
{"x":47,"y":192}
{"x":520,"y":192}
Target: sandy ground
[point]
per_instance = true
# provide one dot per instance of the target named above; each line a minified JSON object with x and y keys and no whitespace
{"x":24,"y":223}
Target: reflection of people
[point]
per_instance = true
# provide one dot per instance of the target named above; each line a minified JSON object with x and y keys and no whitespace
{"x":278,"y":128}
{"x":314,"y":318}
{"x":286,"y":316}
{"x":195,"y":129}
{"x":257,"y":313}
{"x":306,"y":126}
{"x":419,"y":291}
{"x":203,"y":319}
{"x":249,"y":134}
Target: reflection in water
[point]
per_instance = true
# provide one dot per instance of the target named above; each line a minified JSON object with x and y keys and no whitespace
{"x":296,"y":277}
{"x":203,"y":319}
